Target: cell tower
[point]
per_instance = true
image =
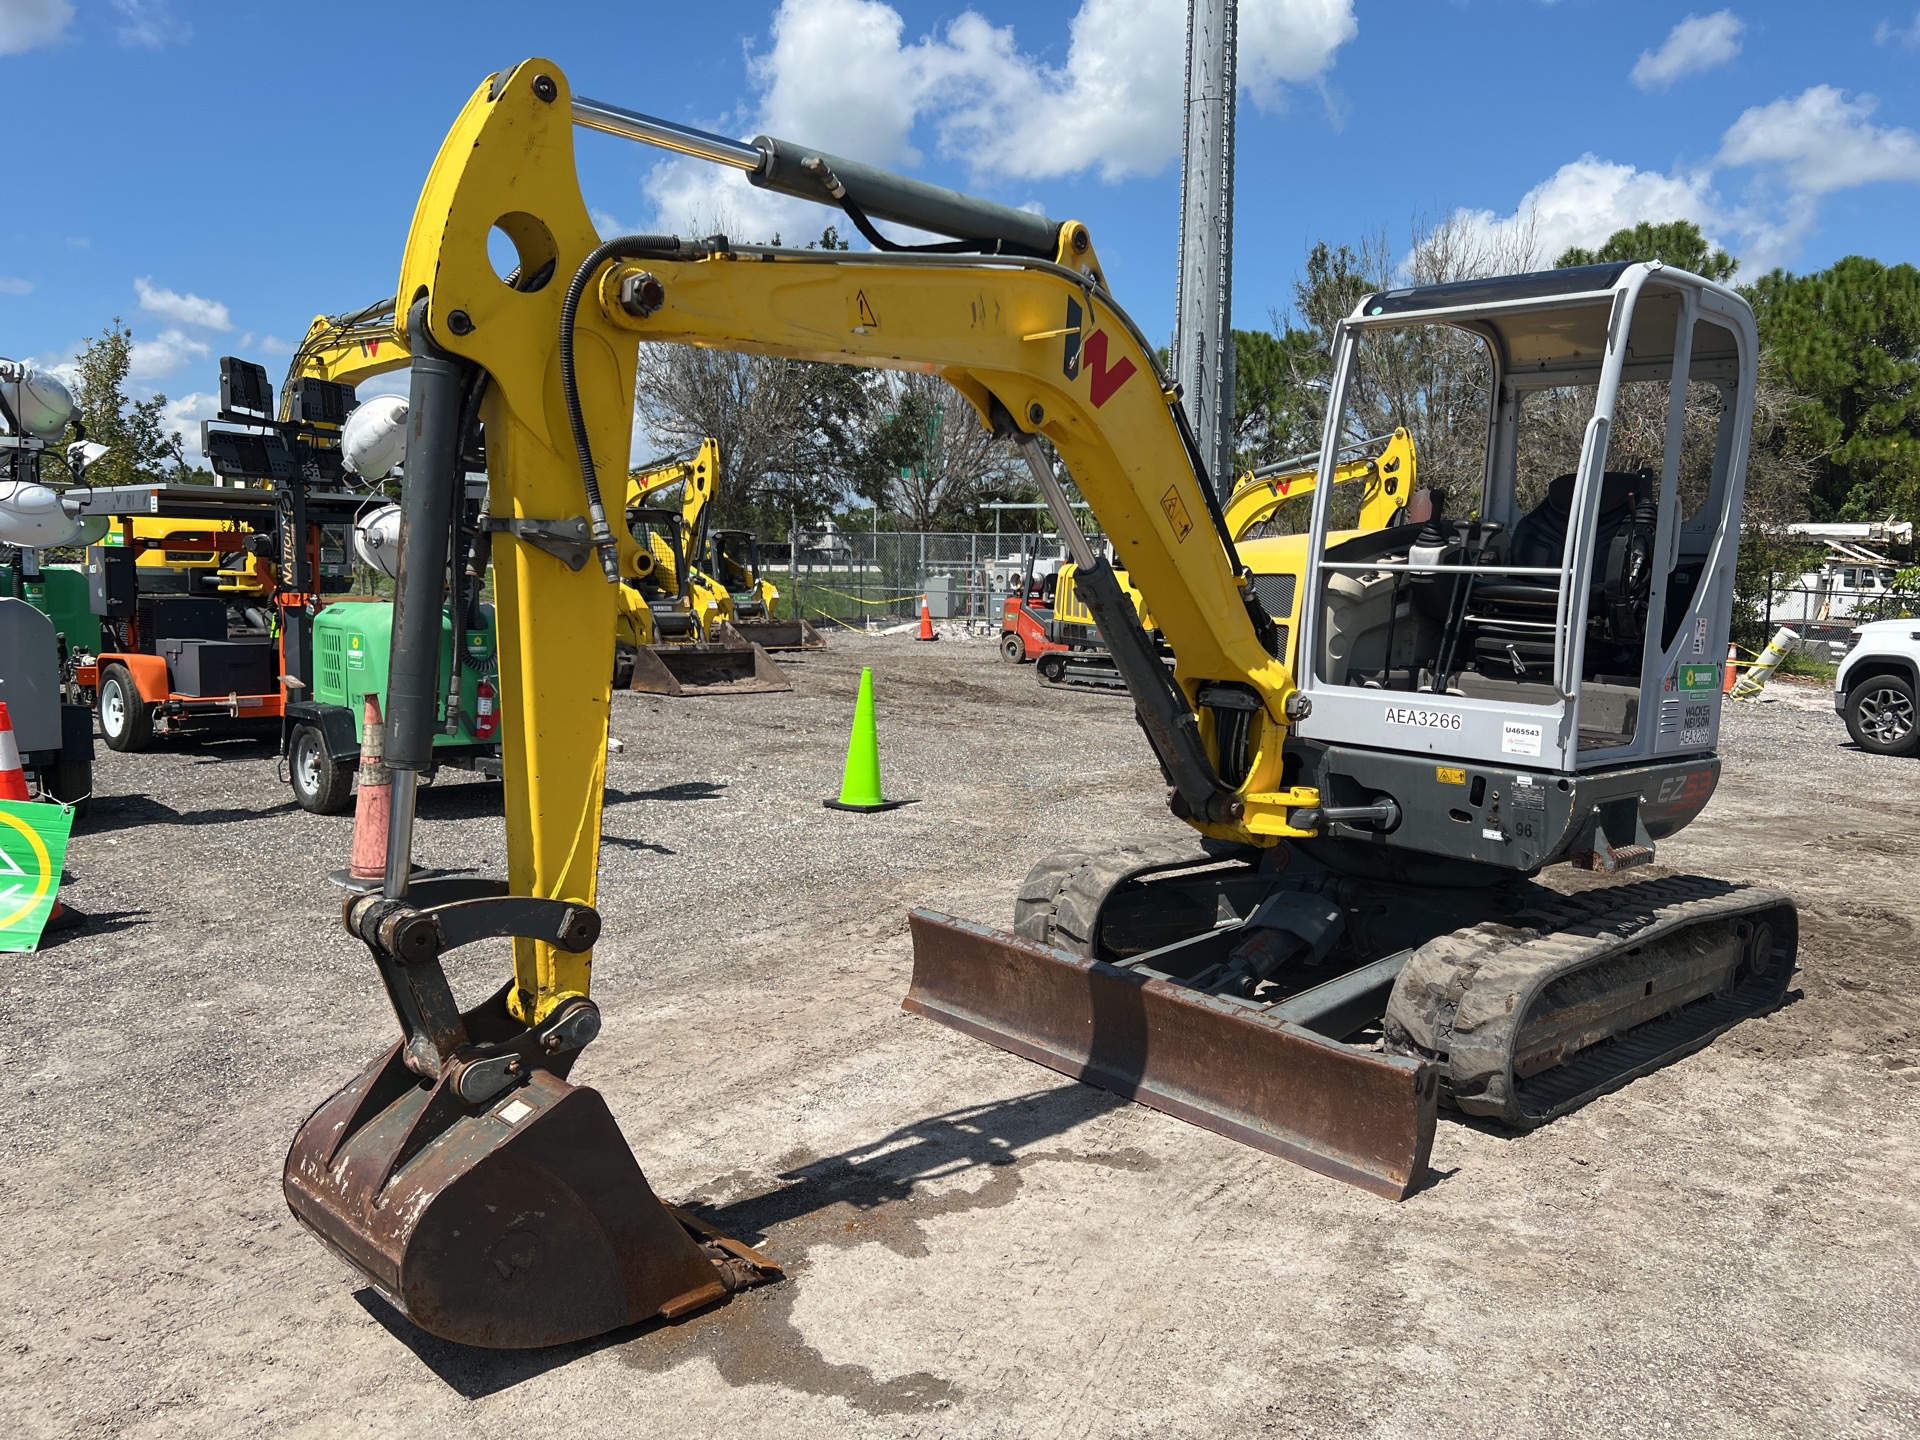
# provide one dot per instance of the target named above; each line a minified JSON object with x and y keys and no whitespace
{"x":1203,"y":303}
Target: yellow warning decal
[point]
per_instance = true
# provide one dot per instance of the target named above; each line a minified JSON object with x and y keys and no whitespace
{"x":1447,"y":775}
{"x":863,"y":316}
{"x":1176,"y":512}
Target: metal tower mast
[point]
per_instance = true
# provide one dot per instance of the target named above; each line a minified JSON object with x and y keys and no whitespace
{"x":1203,"y":304}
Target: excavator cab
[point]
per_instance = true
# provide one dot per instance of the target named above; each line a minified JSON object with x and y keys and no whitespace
{"x":1571,"y":612}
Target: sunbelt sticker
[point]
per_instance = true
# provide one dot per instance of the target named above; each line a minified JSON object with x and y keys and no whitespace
{"x":1699,"y":677}
{"x":1521,"y":737}
{"x":356,"y":652}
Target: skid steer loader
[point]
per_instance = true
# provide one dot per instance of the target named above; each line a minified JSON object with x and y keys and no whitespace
{"x":1355,"y":934}
{"x":686,"y":642}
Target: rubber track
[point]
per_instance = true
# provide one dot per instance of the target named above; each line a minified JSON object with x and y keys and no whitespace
{"x":1061,"y":899}
{"x":1464,"y":998}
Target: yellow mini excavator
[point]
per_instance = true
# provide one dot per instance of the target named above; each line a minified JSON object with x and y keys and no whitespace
{"x":1355,"y":935}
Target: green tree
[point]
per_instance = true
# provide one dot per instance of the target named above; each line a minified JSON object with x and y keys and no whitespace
{"x":1847,"y":341}
{"x":1274,"y":414}
{"x":1677,"y":242}
{"x":140,"y":447}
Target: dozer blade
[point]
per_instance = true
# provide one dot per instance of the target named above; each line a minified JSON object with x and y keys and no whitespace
{"x":741,"y":668}
{"x":1357,"y":1115}
{"x":780,"y":634}
{"x":521,"y":1222}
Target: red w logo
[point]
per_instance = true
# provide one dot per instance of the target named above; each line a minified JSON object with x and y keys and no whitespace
{"x":1105,"y":379}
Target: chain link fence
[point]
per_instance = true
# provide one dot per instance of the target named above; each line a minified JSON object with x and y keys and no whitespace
{"x":868,"y":580}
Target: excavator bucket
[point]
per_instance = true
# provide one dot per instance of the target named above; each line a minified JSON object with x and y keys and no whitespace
{"x":1357,"y":1115}
{"x":781,"y":634}
{"x":727,"y":666}
{"x":520,"y":1222}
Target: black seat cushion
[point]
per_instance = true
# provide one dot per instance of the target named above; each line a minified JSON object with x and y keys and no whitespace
{"x":1541,"y":536}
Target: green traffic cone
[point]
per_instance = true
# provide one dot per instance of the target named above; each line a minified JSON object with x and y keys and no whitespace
{"x":860,"y":785}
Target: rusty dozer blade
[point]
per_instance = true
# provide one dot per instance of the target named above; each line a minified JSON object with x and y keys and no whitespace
{"x":490,"y":1201}
{"x":1359,"y":1116}
{"x":728,"y":665}
{"x":780,"y":634}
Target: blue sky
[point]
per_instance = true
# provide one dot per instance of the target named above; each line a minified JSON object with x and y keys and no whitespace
{"x":217,"y":173}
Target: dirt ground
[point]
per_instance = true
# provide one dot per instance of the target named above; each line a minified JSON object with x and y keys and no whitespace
{"x":976,"y":1246}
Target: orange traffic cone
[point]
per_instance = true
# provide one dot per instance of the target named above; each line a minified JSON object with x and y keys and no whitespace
{"x":13,"y":779}
{"x":13,"y":786}
{"x":1728,"y":673}
{"x":926,"y":621}
{"x":372,"y":809}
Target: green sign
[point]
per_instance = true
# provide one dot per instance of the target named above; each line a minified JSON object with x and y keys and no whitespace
{"x":33,"y":850}
{"x":356,"y":652}
{"x":1699,"y":677}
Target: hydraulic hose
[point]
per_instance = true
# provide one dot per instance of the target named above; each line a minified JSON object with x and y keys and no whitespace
{"x":623,"y":247}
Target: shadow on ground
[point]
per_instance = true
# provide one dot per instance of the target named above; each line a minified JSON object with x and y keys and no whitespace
{"x":871,"y":1193}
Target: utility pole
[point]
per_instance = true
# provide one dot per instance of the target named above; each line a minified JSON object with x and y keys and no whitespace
{"x":1203,"y":303}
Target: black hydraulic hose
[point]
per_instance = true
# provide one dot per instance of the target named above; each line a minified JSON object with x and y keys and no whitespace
{"x":435,"y":404}
{"x":622,"y":247}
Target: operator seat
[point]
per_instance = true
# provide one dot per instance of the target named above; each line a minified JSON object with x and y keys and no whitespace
{"x":1512,"y":618}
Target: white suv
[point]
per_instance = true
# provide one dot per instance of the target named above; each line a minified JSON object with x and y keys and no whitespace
{"x":1876,"y":687}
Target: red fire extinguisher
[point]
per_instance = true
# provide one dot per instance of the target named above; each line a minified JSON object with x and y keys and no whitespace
{"x":486,"y":719}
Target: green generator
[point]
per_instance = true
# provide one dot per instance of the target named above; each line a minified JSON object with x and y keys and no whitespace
{"x":352,"y":646}
{"x":60,"y":594}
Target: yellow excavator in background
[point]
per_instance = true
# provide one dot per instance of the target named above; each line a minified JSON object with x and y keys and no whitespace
{"x":1071,"y":651}
{"x":1388,"y":466}
{"x":1355,"y":933}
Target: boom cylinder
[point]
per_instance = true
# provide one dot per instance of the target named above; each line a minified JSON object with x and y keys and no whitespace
{"x":805,"y":173}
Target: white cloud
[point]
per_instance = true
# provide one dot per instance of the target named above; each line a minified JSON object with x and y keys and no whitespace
{"x":187,"y":309}
{"x":1699,"y":42}
{"x":1820,"y":141}
{"x":184,"y":414}
{"x":165,"y":353}
{"x":150,"y":25}
{"x":842,"y":75}
{"x":27,"y":23}
{"x":1907,"y":36}
{"x":1586,"y":200}
{"x":14,"y":285}
{"x":1797,"y":149}
{"x":274,"y":345}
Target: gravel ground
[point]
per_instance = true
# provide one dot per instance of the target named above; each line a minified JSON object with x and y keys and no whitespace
{"x":975,"y":1246}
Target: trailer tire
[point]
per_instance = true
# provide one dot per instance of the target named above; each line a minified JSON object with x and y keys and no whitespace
{"x":321,"y":784}
{"x":1882,"y":716}
{"x":126,"y":720}
{"x":1012,"y":647}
